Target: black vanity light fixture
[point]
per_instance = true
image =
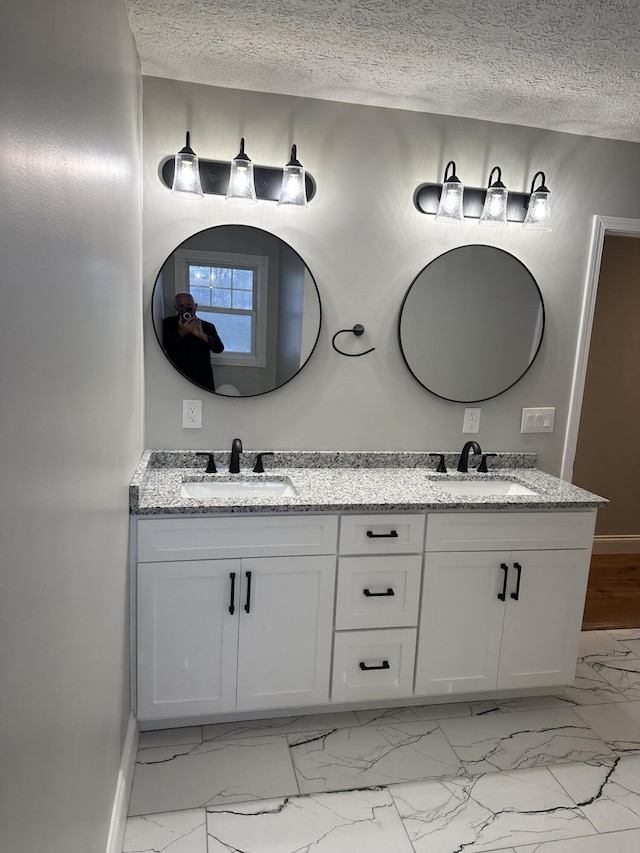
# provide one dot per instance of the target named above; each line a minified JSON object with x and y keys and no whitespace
{"x":238,"y":181}
{"x":451,"y":201}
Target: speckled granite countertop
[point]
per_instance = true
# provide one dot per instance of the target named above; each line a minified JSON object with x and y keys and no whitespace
{"x":346,"y":481}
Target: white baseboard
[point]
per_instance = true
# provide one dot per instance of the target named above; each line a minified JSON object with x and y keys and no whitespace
{"x":616,"y":545}
{"x":123,"y":787}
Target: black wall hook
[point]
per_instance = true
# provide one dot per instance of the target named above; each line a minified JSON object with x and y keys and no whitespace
{"x":357,"y":330}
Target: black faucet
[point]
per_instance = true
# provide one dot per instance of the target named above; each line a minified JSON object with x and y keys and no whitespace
{"x":211,"y":463}
{"x":236,"y":450}
{"x":463,"y":464}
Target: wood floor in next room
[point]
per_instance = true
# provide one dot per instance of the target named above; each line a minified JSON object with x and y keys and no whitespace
{"x":546,"y":774}
{"x":613,"y":594}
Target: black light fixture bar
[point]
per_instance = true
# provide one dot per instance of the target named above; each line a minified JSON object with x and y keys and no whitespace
{"x":214,"y":177}
{"x":427,"y":196}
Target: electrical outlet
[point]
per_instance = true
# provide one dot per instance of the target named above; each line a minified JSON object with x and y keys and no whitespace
{"x":538,"y":420}
{"x":471,"y":420}
{"x":192,"y":414}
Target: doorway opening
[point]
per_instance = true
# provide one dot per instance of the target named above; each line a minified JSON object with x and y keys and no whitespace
{"x":600,"y":450}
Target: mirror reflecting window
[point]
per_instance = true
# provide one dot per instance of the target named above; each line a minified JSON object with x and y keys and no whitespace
{"x":236,"y":310}
{"x":471,"y":323}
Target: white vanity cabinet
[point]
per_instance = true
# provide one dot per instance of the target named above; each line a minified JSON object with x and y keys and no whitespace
{"x":502,"y":600}
{"x":239,"y":632}
{"x":241,"y":613}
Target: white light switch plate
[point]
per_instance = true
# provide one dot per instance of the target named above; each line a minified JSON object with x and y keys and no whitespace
{"x":538,"y":420}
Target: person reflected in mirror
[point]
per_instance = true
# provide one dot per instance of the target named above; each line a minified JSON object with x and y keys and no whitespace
{"x":189,"y":341}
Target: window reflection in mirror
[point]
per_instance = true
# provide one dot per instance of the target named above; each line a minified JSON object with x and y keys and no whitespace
{"x":257,"y":294}
{"x":471,"y":323}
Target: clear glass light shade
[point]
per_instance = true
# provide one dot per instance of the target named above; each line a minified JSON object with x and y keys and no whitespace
{"x":294,"y":192}
{"x":539,"y":211}
{"x":242,"y":187}
{"x":450,"y":207}
{"x":494,"y":211}
{"x":186,"y":176}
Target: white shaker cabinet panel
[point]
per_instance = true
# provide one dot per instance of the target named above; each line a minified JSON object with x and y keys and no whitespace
{"x":385,"y":533}
{"x":542,"y":625}
{"x":187,"y":638}
{"x":378,"y":591}
{"x":236,"y":536}
{"x":490,"y":531}
{"x":369,"y":665}
{"x":286,"y":613}
{"x":461,"y":623}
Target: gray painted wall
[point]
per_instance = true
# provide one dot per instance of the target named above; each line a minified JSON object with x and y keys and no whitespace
{"x":71,"y":426}
{"x":365,"y":242}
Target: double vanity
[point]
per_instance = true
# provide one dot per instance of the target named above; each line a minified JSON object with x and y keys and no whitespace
{"x":342,"y":580}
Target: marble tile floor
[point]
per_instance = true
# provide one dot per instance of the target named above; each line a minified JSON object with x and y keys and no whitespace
{"x":544,"y":774}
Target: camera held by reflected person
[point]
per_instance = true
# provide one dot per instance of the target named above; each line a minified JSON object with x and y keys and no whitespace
{"x":186,"y":316}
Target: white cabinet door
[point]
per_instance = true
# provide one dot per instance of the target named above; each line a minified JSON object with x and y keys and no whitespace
{"x":461,"y":622}
{"x":286,"y":613}
{"x":470,"y":640}
{"x":542,"y":624}
{"x":187,"y":638}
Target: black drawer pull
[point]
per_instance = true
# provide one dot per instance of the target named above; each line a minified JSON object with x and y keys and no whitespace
{"x":247,"y":607}
{"x":516,"y":595}
{"x":505,"y":568}
{"x":232,"y":604}
{"x":384,"y":665}
{"x":392,"y":535}
{"x":370,"y":594}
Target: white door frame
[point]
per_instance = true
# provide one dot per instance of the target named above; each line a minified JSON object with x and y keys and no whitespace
{"x":602,"y":225}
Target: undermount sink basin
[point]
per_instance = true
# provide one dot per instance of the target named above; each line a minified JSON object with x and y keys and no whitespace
{"x":238,"y":489}
{"x":484,"y":487}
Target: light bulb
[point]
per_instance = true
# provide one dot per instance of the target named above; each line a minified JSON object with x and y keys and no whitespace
{"x":494,"y":210}
{"x":186,"y":174}
{"x":242,"y":188}
{"x":539,"y":210}
{"x":450,"y":207}
{"x":294,"y":192}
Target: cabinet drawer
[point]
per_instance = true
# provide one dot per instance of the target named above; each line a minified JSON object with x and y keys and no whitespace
{"x":378,"y":591}
{"x":373,"y":664}
{"x":234,"y":536}
{"x":381,"y":534}
{"x":485,"y":531}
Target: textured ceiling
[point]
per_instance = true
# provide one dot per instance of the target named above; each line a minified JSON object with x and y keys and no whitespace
{"x":568,"y":65}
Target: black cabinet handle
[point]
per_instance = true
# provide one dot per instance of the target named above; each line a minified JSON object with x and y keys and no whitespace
{"x":392,"y":535}
{"x":502,"y":595}
{"x":516,"y":595}
{"x":247,"y":606}
{"x":370,"y":594}
{"x":384,"y":665}
{"x":232,"y":603}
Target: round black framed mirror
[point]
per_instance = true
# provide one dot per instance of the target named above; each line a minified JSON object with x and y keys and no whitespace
{"x":471,"y":323}
{"x":236,"y":310}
